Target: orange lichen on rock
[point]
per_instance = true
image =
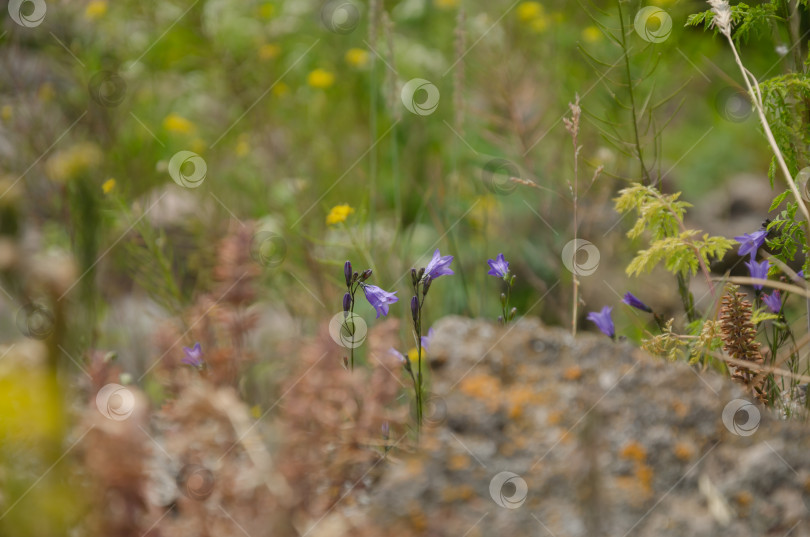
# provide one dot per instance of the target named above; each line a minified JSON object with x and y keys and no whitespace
{"x":633,"y":451}
{"x":484,"y":387}
{"x":684,"y":451}
{"x":572,"y":373}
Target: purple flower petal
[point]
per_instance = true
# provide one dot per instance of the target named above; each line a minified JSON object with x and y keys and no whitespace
{"x":498,"y":267}
{"x":193,"y":356}
{"x":750,"y":243}
{"x":773,"y":301}
{"x":426,"y":339}
{"x":438,"y":266}
{"x":604,"y":321}
{"x":631,"y":300}
{"x":758,"y":270}
{"x":379,"y":299}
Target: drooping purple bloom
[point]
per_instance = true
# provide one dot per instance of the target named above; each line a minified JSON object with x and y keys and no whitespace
{"x":379,"y":299}
{"x":347,"y":302}
{"x":426,"y":339}
{"x":750,"y":243}
{"x":438,"y":266}
{"x":193,"y":356}
{"x":773,"y":301}
{"x":631,"y":300}
{"x":498,"y":267}
{"x":401,"y":357}
{"x":758,"y":270}
{"x":604,"y":321}
{"x":800,"y":274}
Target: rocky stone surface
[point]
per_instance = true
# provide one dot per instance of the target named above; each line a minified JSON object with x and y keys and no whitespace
{"x":597,"y":439}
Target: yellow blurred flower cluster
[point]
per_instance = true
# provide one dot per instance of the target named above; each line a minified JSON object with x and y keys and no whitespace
{"x":591,"y":34}
{"x":320,"y":78}
{"x":108,"y":185}
{"x":177,"y":123}
{"x":338,"y":214}
{"x":357,"y":57}
{"x":95,"y":9}
{"x":71,"y":162}
{"x":534,"y":15}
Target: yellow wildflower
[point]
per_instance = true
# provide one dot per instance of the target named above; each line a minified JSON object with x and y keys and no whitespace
{"x":281,"y":89}
{"x":357,"y":57}
{"x":242,"y":145}
{"x":446,"y":4}
{"x":95,"y":9}
{"x":539,"y":24}
{"x":267,"y":11}
{"x":176,"y":123}
{"x":320,"y":78}
{"x":592,"y":34}
{"x":73,"y":161}
{"x":108,"y":185}
{"x":338,"y":214}
{"x":412,"y":356}
{"x":269,"y":51}
{"x":528,"y":11}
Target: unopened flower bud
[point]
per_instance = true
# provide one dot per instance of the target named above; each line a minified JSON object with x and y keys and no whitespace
{"x":366,"y":275}
{"x":421,"y":273}
{"x":415,"y":308}
{"x":426,"y":285}
{"x":512,"y":313}
{"x":503,"y":299}
{"x":354,"y":277}
{"x":347,"y":272}
{"x":347,"y":302}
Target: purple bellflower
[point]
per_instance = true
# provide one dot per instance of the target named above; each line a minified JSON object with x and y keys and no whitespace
{"x":750,"y":243}
{"x":193,"y":356}
{"x":604,"y":321}
{"x":773,"y":301}
{"x":438,"y":266}
{"x":631,"y":300}
{"x":758,"y":270}
{"x":498,"y":267}
{"x":379,"y":299}
{"x":426,"y":339}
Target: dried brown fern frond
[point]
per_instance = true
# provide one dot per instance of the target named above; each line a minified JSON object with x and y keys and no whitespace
{"x":739,"y":339}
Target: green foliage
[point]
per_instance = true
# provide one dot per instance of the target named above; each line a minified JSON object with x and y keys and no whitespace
{"x":662,"y":216}
{"x":786,"y":235}
{"x":746,"y":20}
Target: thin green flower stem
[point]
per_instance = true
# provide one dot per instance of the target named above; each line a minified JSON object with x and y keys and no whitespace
{"x":756,"y":97}
{"x":644,"y":172}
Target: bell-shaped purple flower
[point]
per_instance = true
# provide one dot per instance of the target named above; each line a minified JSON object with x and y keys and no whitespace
{"x":193,"y":356}
{"x":426,"y":339}
{"x":347,"y":302}
{"x":631,"y":300}
{"x":773,"y":301}
{"x":379,"y":299}
{"x":498,"y":267}
{"x":604,"y":321}
{"x":438,"y":266}
{"x":758,"y":270}
{"x":750,"y":243}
